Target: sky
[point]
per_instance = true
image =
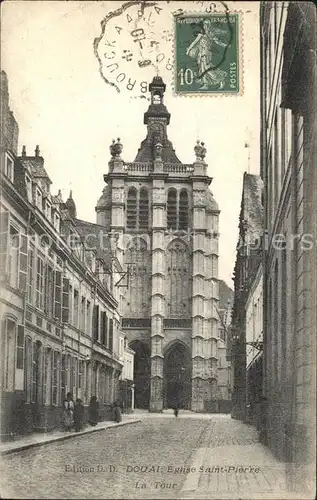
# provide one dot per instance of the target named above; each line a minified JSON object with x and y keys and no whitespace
{"x":62,"y":103}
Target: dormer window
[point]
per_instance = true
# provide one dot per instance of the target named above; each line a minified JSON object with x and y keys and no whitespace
{"x":9,"y":167}
{"x":48,"y":210}
{"x":28,"y":184}
{"x":39,"y":199}
{"x":56,"y":221}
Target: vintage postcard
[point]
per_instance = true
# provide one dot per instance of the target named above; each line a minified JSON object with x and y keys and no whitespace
{"x":158,"y":249}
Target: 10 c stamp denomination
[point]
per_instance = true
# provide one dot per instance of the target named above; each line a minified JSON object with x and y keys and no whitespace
{"x":207,"y":53}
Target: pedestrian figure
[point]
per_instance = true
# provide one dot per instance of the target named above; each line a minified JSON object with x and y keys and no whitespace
{"x":176,"y":410}
{"x":116,"y":412}
{"x":93,"y":410}
{"x":78,"y":415}
{"x":68,"y":413}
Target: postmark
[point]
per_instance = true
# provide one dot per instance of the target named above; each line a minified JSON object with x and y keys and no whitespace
{"x":207,"y":53}
{"x":137,"y":41}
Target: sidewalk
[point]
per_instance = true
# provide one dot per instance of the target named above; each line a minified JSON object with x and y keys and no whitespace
{"x":231,"y":463}
{"x":39,"y":439}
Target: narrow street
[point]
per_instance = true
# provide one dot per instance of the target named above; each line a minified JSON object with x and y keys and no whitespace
{"x":208,"y":456}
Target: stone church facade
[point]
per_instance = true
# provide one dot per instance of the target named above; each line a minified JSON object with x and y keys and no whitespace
{"x":165,"y":222}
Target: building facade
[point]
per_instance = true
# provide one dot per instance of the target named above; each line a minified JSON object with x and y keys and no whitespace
{"x":254,"y":350}
{"x":224,"y":363}
{"x":248,"y":258}
{"x":288,"y":136}
{"x":60,"y":322}
{"x":166,"y":222}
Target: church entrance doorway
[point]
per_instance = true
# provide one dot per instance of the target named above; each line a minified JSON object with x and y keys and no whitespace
{"x":142,"y":374}
{"x":177,"y":377}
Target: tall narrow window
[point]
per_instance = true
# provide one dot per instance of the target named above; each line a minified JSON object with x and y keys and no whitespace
{"x":131,"y":208}
{"x":4,"y":230}
{"x":80,"y":376}
{"x":63,"y":377}
{"x":55,"y":377}
{"x":111,"y":334}
{"x":183,"y":210}
{"x":82,"y":313}
{"x":36,"y":360}
{"x":172,"y":209}
{"x":88,"y":317}
{"x":76,"y":305}
{"x":49,"y":290}
{"x":104,"y":339}
{"x":47,"y":375}
{"x":8,"y":353}
{"x":144,"y":209}
{"x":28,"y":368}
{"x":30,"y":282}
{"x":39,"y":282}
{"x":95,"y":326}
{"x":20,"y":347}
{"x":13,"y":257}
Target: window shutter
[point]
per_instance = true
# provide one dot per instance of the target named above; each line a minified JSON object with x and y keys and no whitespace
{"x":95,"y":323}
{"x":65,"y":301}
{"x":103,"y":327}
{"x":105,"y":319}
{"x":4,"y":229}
{"x":111,"y":334}
{"x":20,"y":347}
{"x":58,"y":294}
{"x":46,"y":289}
{"x":23,"y":262}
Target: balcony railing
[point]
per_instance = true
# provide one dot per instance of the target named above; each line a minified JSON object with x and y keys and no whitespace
{"x":178,"y":169}
{"x":139,"y":167}
{"x":177,"y":323}
{"x":136,"y":322}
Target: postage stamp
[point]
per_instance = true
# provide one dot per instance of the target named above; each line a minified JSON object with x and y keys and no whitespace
{"x":207,"y":53}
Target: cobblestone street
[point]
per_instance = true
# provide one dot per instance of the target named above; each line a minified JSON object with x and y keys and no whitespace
{"x":179,"y":459}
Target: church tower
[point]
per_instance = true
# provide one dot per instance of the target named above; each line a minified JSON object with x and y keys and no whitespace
{"x":166,"y":224}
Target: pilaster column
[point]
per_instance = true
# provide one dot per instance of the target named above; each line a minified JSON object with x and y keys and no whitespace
{"x":158,"y":278}
{"x":211,"y":312}
{"x":117,"y":209}
{"x":198,"y":303}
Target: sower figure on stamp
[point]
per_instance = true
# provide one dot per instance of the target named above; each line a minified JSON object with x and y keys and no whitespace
{"x":203,"y":49}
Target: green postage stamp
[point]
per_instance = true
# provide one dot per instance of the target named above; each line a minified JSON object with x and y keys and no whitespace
{"x":207,"y":53}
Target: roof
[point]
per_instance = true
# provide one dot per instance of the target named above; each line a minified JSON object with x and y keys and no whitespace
{"x":105,"y":198}
{"x":95,"y":238}
{"x":225,"y":294}
{"x":251,"y":206}
{"x":145,"y":152}
{"x":211,"y":204}
{"x":36,"y":166}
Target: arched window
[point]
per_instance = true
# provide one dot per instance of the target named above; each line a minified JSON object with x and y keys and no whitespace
{"x":8,"y":353}
{"x":28,"y":368}
{"x":178,"y":283}
{"x":131,"y":208}
{"x":172,"y":209}
{"x":144,"y":209}
{"x":55,"y":378}
{"x":183,"y":210}
{"x":47,"y":388}
{"x":138,"y":293}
